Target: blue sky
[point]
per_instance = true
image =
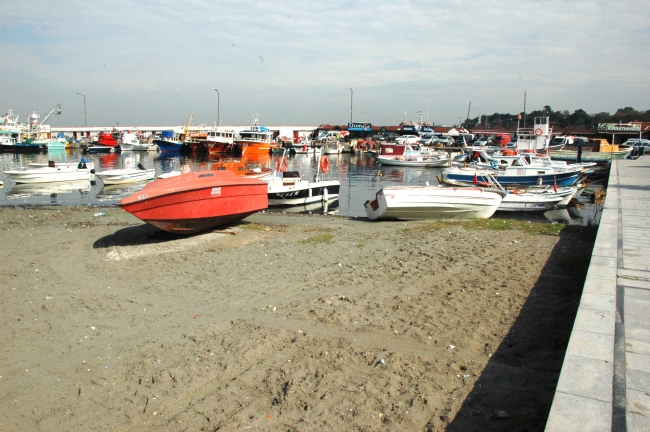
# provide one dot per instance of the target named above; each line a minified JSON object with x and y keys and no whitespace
{"x":153,"y":63}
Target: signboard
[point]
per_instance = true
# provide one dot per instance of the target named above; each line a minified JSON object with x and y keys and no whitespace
{"x":426,"y":129}
{"x":618,"y":127}
{"x":407,"y":128}
{"x":359,"y":127}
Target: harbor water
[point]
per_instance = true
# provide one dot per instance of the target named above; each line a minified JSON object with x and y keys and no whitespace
{"x":360,"y":176}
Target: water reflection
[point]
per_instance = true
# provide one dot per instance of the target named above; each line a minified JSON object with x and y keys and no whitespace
{"x":360,"y":176}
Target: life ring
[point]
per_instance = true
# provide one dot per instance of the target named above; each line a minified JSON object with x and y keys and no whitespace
{"x":282,"y":164}
{"x":324,"y":164}
{"x":538,"y":131}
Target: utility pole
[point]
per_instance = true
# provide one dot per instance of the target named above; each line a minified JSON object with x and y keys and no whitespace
{"x":524,"y":109}
{"x":218,"y":108}
{"x":351,"y":96}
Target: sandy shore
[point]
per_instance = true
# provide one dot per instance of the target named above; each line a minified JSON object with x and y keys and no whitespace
{"x":281,"y":323}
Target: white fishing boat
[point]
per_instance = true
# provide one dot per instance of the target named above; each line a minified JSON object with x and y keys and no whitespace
{"x":62,"y":165}
{"x":288,"y":188}
{"x":126,"y":175}
{"x":131,"y":142}
{"x":419,"y":157}
{"x":432,"y":202}
{"x":51,"y":174}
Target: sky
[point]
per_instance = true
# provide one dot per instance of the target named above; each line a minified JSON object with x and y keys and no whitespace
{"x":150,"y":63}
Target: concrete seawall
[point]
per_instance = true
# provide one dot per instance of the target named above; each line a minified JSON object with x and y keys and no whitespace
{"x":605,"y":380}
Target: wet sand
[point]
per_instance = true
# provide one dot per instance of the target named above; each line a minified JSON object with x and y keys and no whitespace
{"x":281,"y":322}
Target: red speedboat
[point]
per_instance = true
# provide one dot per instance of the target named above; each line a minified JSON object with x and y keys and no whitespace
{"x":193,"y":202}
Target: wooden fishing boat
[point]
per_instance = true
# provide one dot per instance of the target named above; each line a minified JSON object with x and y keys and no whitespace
{"x":197,"y":201}
{"x":601,"y":151}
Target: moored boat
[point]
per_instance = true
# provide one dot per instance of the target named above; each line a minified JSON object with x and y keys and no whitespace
{"x":431,"y":202}
{"x":197,"y":201}
{"x":167,"y":143}
{"x":287,"y":188}
{"x":600,"y":151}
{"x":8,"y":144}
{"x":131,"y":142}
{"x":255,"y":140}
{"x":109,"y":139}
{"x":126,"y":175}
{"x":52,"y":174}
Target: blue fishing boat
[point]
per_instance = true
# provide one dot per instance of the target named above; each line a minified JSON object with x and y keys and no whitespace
{"x":530,"y":175}
{"x":166,"y":142}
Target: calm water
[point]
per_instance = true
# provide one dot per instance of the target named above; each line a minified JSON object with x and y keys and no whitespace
{"x":361,"y":177}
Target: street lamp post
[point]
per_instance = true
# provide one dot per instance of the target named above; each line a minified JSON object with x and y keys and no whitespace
{"x":85,"y":124}
{"x":351,"y":96}
{"x":218,"y":108}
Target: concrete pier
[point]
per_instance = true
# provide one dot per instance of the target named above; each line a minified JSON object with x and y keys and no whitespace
{"x":605,"y":380}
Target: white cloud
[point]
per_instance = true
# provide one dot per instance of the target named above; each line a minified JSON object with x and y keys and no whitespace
{"x":155,"y":62}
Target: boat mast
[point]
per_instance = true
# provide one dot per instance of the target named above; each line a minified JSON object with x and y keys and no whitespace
{"x":57,"y":108}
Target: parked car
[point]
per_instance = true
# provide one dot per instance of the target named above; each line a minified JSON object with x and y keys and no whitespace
{"x":427,"y":141}
{"x":444,"y":140}
{"x":481,"y":142}
{"x":390,"y":136}
{"x":637,"y":142}
{"x":407,"y":139}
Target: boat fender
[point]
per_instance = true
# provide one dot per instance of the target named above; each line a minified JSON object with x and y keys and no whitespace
{"x":92,"y":171}
{"x":51,"y":164}
{"x":141,"y":167}
{"x":325,"y":194}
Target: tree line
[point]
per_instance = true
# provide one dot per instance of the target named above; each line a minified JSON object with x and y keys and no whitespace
{"x":562,"y":118}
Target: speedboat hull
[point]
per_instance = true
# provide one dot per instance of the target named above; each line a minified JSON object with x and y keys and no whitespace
{"x":125,"y":176}
{"x":171,"y":146}
{"x":194,"y":202}
{"x":529,"y":177}
{"x":50,"y":175}
{"x":590,"y":156}
{"x":530,"y":201}
{"x":24,"y":148}
{"x":414,"y":202}
{"x":424,"y":161}
{"x":98,"y":149}
{"x":295,"y":191}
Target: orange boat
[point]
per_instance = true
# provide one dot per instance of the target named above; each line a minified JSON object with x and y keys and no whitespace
{"x":194,"y":202}
{"x":240,"y":168}
{"x":256,"y":140}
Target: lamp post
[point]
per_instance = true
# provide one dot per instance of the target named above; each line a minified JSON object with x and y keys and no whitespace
{"x":84,"y":107}
{"x":351,"y":96}
{"x":218,"y":108}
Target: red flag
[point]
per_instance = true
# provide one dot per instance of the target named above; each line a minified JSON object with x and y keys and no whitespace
{"x":554,"y":185}
{"x":519,"y":117}
{"x":475,"y":181}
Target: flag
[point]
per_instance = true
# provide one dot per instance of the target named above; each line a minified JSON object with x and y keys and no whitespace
{"x":554,"y":185}
{"x":475,"y":181}
{"x":519,"y":117}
